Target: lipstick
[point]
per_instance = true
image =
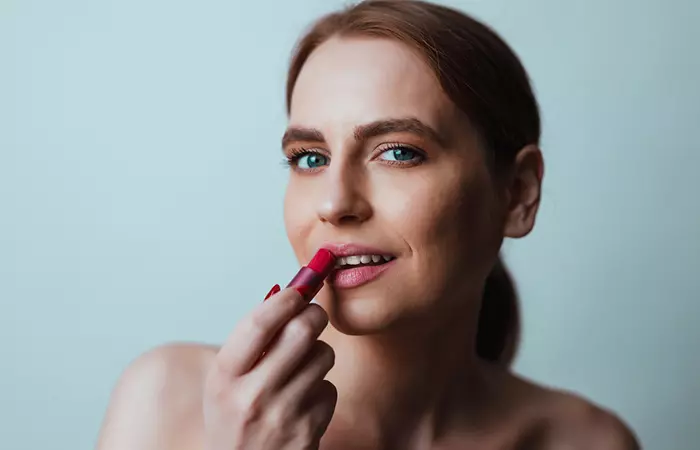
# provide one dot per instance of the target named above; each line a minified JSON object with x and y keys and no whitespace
{"x":309,"y":280}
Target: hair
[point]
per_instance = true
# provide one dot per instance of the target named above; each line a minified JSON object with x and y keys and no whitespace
{"x":485,"y":79}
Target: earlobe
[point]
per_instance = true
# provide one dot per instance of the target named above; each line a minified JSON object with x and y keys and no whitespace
{"x":524,"y":192}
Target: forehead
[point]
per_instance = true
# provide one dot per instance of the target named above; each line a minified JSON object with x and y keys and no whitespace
{"x":349,"y":81}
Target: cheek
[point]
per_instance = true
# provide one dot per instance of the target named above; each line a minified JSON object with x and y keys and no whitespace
{"x":442,"y":211}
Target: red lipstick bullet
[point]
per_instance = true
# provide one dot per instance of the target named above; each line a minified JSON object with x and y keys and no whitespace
{"x":309,"y":280}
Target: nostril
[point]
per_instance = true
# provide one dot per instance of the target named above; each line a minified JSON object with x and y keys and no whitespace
{"x":349,"y":220}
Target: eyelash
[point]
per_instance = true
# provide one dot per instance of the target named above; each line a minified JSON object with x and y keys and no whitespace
{"x":295,"y":154}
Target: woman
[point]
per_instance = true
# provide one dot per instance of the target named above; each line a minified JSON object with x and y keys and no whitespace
{"x":412,"y":141}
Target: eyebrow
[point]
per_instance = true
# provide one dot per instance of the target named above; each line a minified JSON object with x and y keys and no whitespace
{"x":367,"y":131}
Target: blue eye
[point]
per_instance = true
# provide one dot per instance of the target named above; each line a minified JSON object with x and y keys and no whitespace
{"x":311,"y":161}
{"x":400,"y":154}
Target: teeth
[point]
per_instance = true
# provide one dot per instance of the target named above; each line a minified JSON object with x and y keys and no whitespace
{"x":356,"y":260}
{"x":353,"y":260}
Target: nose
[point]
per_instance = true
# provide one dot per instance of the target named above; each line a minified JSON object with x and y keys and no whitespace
{"x":344,"y":200}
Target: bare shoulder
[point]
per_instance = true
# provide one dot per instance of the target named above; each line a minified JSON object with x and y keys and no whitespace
{"x":567,"y":420}
{"x":157,"y":402}
{"x":585,"y":425}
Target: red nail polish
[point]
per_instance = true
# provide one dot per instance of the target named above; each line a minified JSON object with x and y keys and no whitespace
{"x":275,"y":289}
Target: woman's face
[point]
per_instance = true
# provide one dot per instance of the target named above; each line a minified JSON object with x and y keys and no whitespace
{"x":384,"y":164}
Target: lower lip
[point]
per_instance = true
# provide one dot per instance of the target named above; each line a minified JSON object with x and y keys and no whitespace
{"x":352,"y":278}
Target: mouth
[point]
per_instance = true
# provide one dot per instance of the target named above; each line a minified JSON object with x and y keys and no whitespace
{"x":353,"y":271}
{"x":358,"y":264}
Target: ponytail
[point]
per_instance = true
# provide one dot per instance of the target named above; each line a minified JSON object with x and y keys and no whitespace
{"x":498,"y":329}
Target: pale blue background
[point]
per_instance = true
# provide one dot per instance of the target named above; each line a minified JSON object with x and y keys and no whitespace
{"x":140,"y":197}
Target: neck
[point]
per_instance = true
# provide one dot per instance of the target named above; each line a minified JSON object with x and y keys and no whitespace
{"x":406,"y":379}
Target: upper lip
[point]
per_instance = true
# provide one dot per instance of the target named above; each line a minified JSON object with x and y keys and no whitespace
{"x":349,"y":249}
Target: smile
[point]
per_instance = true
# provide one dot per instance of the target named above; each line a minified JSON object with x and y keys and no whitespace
{"x":357,"y":270}
{"x":358,"y":264}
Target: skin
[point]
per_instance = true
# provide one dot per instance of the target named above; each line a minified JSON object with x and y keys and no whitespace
{"x":396,"y":367}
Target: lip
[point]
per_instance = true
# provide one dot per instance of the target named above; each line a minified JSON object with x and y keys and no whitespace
{"x":351,"y":249}
{"x":357,"y":276}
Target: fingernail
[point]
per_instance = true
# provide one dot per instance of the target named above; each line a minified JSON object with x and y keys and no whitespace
{"x":275,"y":289}
{"x":308,"y":292}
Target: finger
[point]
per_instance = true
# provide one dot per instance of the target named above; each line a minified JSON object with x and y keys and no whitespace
{"x":320,"y":361}
{"x":321,"y":407}
{"x":255,"y":331}
{"x":291,"y":347}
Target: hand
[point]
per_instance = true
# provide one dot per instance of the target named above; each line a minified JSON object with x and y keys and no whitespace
{"x":277,"y":401}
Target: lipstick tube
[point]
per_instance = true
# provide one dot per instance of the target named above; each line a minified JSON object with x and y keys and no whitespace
{"x":309,"y":279}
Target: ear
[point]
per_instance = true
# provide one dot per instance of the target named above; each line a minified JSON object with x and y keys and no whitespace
{"x":523,"y":192}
